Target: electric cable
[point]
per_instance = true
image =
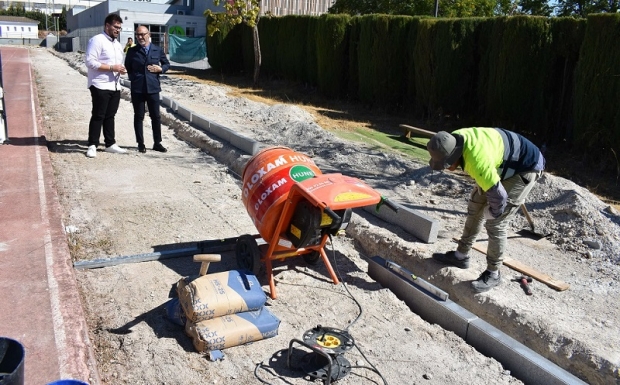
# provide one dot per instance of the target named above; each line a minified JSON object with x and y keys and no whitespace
{"x":261,"y":365}
{"x":361,"y":310}
{"x":373,"y":367}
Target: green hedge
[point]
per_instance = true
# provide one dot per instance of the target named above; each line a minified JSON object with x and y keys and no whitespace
{"x":519,"y":67}
{"x":395,"y":67}
{"x":312,"y":76}
{"x":332,"y":54}
{"x":446,"y":67}
{"x":355,"y":27}
{"x":372,"y":51}
{"x":410,"y":67}
{"x":269,"y":33}
{"x":567,"y":36}
{"x":292,"y":41}
{"x":555,"y":79}
{"x":597,"y":87}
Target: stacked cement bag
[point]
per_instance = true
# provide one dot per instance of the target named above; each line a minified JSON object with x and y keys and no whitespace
{"x":225,"y":309}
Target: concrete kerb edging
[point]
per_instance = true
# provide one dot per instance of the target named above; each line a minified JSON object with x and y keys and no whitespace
{"x":202,"y":123}
{"x":523,"y":363}
{"x":415,"y":223}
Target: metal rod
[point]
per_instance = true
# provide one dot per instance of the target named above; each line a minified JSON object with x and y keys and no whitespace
{"x":202,"y":247}
{"x":113,"y":261}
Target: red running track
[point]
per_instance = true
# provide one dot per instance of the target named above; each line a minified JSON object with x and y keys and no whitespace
{"x":39,"y":301}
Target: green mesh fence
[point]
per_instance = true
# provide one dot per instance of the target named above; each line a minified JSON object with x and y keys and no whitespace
{"x":187,"y":49}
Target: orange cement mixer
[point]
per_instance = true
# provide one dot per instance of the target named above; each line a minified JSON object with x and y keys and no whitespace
{"x":295,"y":209}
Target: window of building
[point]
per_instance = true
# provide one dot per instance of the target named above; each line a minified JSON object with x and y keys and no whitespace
{"x":14,"y":28}
{"x":22,"y":29}
{"x":190,"y":31}
{"x":157,"y":33}
{"x":29,"y":29}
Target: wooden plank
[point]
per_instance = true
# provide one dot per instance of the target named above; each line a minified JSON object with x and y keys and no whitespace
{"x":418,"y":131}
{"x":527,"y":270}
{"x":541,"y":277}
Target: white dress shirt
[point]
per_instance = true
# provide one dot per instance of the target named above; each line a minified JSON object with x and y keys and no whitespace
{"x":103,"y":50}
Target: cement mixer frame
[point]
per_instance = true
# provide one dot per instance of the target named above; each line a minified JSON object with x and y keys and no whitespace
{"x":330,"y":197}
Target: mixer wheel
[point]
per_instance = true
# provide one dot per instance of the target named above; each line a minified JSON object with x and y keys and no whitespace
{"x":248,"y":254}
{"x":312,"y":258}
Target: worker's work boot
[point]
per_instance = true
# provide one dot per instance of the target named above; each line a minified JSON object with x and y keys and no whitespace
{"x":486,"y":282}
{"x":450,"y":258}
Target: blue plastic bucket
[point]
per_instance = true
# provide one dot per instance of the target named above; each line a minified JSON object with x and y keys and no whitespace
{"x":68,"y":382}
{"x":12,"y":356}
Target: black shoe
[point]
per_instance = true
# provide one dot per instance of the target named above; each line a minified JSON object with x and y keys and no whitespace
{"x":486,"y":282}
{"x":142,"y":148}
{"x":450,"y":258}
{"x":159,"y":147}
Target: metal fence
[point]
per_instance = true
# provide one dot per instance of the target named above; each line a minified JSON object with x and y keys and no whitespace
{"x":22,"y":41}
{"x":84,"y":35}
{"x":295,"y":7}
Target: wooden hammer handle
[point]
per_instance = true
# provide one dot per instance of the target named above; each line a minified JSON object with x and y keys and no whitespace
{"x":205,"y":260}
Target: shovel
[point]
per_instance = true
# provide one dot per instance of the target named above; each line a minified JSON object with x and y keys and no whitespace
{"x":533,"y":231}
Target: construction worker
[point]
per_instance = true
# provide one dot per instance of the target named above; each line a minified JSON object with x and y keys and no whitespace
{"x":505,"y":166}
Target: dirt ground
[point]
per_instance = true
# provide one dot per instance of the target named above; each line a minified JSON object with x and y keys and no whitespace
{"x":123,"y":205}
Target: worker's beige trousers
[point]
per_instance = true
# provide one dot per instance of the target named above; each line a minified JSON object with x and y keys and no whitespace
{"x":518,"y":188}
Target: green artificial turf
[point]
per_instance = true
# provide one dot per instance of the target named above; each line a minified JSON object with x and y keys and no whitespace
{"x":411,"y":147}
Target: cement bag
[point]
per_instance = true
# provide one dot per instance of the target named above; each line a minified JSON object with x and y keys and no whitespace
{"x":232,"y":330}
{"x":174,"y":312}
{"x":215,"y":295}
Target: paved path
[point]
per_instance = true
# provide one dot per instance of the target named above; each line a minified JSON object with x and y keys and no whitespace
{"x":40,"y":305}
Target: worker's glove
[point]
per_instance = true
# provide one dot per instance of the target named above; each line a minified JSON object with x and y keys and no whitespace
{"x":487,"y":213}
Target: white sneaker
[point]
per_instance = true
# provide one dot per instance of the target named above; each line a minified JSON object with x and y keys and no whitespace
{"x":114,"y":149}
{"x":92,"y":151}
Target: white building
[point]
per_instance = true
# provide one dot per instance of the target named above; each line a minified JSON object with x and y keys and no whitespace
{"x":185,"y":17}
{"x":14,"y":27}
{"x":48,"y":6}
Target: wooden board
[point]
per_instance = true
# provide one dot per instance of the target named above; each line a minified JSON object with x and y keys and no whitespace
{"x":418,"y":131}
{"x":527,"y":270}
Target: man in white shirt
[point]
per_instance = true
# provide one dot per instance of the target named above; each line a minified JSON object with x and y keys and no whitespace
{"x":104,"y":60}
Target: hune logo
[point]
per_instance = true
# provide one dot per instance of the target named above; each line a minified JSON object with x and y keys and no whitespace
{"x":300,"y":173}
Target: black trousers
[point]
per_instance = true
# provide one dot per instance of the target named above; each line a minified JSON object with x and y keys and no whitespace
{"x":105,"y":105}
{"x":152,"y":102}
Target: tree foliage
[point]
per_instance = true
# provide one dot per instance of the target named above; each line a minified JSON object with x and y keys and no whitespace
{"x":535,"y":7}
{"x":582,"y":8}
{"x":476,"y":8}
{"x":235,"y":12}
{"x":447,"y":8}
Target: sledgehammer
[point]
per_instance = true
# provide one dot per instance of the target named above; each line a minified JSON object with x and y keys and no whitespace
{"x":525,"y":281}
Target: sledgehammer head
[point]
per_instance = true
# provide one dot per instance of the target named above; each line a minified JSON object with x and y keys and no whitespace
{"x":525,"y":281}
